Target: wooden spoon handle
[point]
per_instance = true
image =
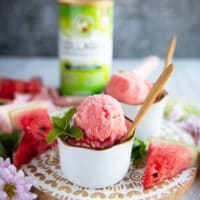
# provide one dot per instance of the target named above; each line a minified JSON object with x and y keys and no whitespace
{"x":170,"y":51}
{"x":157,"y":88}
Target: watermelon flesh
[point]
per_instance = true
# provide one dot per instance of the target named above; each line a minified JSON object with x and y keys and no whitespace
{"x":166,"y":159}
{"x":35,"y":123}
{"x":29,"y":148}
{"x":24,"y":152}
{"x":8,"y":88}
{"x":36,"y":120}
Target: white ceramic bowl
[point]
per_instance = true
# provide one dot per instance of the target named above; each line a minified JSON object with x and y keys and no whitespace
{"x":95,"y":168}
{"x":150,"y":125}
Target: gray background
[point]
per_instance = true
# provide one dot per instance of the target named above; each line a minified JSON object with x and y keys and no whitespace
{"x":142,"y":27}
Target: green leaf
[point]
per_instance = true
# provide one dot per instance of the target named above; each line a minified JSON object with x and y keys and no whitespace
{"x":139,"y":151}
{"x":54,"y":133}
{"x":68,"y":116}
{"x":191,"y":109}
{"x":10,"y":142}
{"x":15,"y":139}
{"x":75,"y":132}
{"x":3,"y":152}
{"x":58,"y":122}
{"x":63,"y":128}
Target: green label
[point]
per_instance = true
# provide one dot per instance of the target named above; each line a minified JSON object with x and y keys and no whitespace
{"x":85,"y":48}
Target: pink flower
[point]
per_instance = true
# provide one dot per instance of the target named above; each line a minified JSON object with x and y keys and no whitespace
{"x":192,"y":125}
{"x":14,"y":185}
{"x":4,"y":163}
{"x":176,"y":113}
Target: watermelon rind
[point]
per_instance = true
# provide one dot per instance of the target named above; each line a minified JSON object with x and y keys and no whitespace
{"x":23,"y":109}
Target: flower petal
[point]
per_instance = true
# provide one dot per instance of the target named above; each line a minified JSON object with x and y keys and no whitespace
{"x":2,"y":183}
{"x":6,"y":175}
{"x":5,"y":163}
{"x":12,"y":169}
{"x":9,"y":174}
{"x":3,"y":195}
{"x":19,"y":178}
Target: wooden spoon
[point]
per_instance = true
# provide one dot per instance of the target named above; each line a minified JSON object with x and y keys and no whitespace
{"x":170,"y":51}
{"x":157,"y":88}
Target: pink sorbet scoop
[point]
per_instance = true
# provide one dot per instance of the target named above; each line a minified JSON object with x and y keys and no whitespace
{"x":102,"y":120}
{"x":128,"y":88}
{"x":131,"y":87}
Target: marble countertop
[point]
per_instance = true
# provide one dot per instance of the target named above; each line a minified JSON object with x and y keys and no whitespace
{"x":184,"y":82}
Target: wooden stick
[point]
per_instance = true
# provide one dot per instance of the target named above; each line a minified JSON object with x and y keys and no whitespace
{"x":157,"y":88}
{"x":170,"y":51}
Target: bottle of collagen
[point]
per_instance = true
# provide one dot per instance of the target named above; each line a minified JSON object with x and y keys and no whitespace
{"x":85,"y":45}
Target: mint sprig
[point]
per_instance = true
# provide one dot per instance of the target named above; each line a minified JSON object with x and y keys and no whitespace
{"x":139,"y":151}
{"x":3,"y":152}
{"x":62,"y":127}
{"x":9,"y":143}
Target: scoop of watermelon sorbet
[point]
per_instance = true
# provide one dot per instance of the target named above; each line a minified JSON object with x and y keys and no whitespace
{"x":128,"y":88}
{"x":102,"y":121}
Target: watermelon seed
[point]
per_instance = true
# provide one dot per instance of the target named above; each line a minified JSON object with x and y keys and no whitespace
{"x":155,"y":175}
{"x":42,"y":129}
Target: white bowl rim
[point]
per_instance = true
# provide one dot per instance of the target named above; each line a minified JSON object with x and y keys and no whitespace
{"x":97,"y":150}
{"x":163,"y":94}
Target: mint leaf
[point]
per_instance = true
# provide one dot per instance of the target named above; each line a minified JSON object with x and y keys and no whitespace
{"x":3,"y":152}
{"x":62,"y":127}
{"x":15,"y":139}
{"x":58,"y":122}
{"x":68,"y":116}
{"x":54,"y":133}
{"x":75,"y":132}
{"x":10,"y":142}
{"x":139,"y":151}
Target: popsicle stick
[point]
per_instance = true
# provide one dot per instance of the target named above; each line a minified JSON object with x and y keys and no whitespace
{"x":170,"y":51}
{"x":157,"y":88}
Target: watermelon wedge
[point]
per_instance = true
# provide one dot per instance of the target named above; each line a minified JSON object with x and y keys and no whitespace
{"x":8,"y":88}
{"x":35,"y":123}
{"x":166,"y":159}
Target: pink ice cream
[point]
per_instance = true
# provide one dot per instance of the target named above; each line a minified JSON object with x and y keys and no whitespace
{"x":128,"y":88}
{"x":102,"y":120}
{"x":131,"y":87}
